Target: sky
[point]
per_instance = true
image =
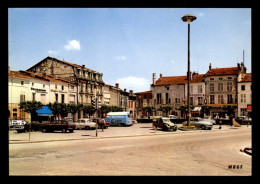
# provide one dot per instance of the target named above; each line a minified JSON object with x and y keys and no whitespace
{"x":127,"y":45}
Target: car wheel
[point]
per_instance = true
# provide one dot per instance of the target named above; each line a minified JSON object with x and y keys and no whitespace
{"x":64,"y":130}
{"x":87,"y":128}
{"x":44,"y":130}
{"x":203,"y":127}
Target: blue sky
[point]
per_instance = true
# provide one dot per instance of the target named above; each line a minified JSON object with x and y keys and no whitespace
{"x":127,"y":45}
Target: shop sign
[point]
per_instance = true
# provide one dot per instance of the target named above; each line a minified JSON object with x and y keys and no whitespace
{"x":39,"y":90}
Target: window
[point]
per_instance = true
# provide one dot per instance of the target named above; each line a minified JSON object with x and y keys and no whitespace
{"x":199,"y":100}
{"x":56,"y":86}
{"x":43,"y":97}
{"x":220,"y":99}
{"x":243,"y":98}
{"x":167,"y":87}
{"x":243,"y":112}
{"x":211,"y":99}
{"x":167,"y":98}
{"x":56,"y":97}
{"x":33,"y":96}
{"x":199,"y":88}
{"x":220,"y":78}
{"x":229,"y":78}
{"x":211,"y":87}
{"x":22,"y":98}
{"x":32,"y":84}
{"x":229,"y":99}
{"x":191,"y":89}
{"x":159,"y":98}
{"x":220,"y":86}
{"x":62,"y":87}
{"x":177,"y":98}
{"x":22,"y":83}
{"x":191,"y":100}
{"x":62,"y":98}
{"x":43,"y":85}
{"x":243,"y":87}
{"x":229,"y":86}
{"x":212,"y":79}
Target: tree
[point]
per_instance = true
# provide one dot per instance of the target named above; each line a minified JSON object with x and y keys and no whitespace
{"x":149,"y":110}
{"x":72,"y":108}
{"x":89,"y":109}
{"x":165,"y":108}
{"x":56,"y":108}
{"x":30,"y":106}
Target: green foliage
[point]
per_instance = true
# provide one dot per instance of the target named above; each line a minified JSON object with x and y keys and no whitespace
{"x":88,"y":109}
{"x":165,"y":108}
{"x":30,"y":106}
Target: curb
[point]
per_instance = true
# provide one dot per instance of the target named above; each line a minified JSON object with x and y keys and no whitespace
{"x":109,"y":137}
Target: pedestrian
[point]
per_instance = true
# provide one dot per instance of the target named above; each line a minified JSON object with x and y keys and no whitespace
{"x":220,"y":122}
{"x":230,"y":120}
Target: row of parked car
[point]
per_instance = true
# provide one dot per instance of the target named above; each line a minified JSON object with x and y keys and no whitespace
{"x":121,"y":119}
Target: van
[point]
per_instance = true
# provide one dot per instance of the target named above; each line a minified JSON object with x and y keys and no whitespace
{"x":119,"y":118}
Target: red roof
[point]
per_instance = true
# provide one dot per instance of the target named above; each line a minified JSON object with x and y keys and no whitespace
{"x":247,"y":78}
{"x":223,"y":71}
{"x":171,"y":80}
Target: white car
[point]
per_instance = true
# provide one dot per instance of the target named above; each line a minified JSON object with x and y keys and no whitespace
{"x":85,"y":123}
{"x":198,"y":122}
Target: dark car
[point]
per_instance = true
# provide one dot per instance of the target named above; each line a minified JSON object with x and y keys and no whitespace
{"x":58,"y":125}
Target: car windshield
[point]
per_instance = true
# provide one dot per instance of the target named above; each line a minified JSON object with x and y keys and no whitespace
{"x":166,"y":120}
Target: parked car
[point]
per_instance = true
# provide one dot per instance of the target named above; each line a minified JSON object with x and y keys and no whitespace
{"x":86,"y":124}
{"x":101,"y":122}
{"x":198,"y":122}
{"x":81,"y":123}
{"x":164,"y":123}
{"x":207,"y":118}
{"x":243,"y":120}
{"x":55,"y":125}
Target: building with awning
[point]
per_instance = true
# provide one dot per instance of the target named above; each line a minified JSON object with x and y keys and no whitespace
{"x":44,"y":111}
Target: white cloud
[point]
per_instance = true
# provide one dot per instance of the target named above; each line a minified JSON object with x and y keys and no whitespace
{"x":72,"y":45}
{"x":120,"y":57}
{"x":53,"y":52}
{"x":201,"y":14}
{"x":137,"y":84}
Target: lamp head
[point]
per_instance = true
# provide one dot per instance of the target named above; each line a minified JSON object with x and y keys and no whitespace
{"x":188,"y":18}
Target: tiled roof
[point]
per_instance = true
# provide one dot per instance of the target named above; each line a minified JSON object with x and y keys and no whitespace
{"x":171,"y":80}
{"x":247,"y":78}
{"x":29,"y":75}
{"x":197,"y":78}
{"x":144,"y":93}
{"x":65,"y":62}
{"x":222,"y":71}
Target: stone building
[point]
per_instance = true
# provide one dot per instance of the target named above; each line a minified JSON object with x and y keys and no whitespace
{"x":89,"y":83}
{"x":143,"y":99}
{"x":168,"y":90}
{"x":221,"y":89}
{"x":244,"y":87}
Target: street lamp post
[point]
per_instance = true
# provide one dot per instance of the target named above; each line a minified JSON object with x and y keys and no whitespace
{"x":188,"y":18}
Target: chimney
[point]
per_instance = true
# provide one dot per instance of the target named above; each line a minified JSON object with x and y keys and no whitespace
{"x":117,"y":85}
{"x":238,"y":65}
{"x":131,"y":92}
{"x":83,"y":66}
{"x":125,"y":90}
{"x":209,"y":66}
{"x":154,"y":78}
{"x":160,"y":75}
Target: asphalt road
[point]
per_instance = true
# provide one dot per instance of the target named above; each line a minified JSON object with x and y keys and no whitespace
{"x":200,"y":153}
